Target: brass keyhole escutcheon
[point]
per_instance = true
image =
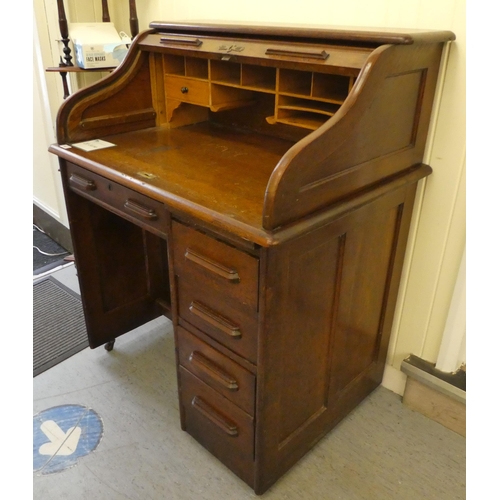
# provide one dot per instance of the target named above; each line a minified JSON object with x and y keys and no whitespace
{"x":184,"y":90}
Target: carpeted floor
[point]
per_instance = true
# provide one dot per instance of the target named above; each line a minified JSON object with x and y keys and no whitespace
{"x":381,"y":451}
{"x":58,"y":324}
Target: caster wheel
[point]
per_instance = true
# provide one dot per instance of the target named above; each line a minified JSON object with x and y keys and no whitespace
{"x":109,"y":346}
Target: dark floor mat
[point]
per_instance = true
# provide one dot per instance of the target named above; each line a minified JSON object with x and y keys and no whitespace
{"x":43,"y":245}
{"x":58,"y":324}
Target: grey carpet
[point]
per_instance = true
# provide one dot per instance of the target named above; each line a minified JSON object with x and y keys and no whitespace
{"x":382,"y":451}
{"x":58,"y":324}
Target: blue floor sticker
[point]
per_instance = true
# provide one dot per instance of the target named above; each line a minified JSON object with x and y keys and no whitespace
{"x":62,"y":435}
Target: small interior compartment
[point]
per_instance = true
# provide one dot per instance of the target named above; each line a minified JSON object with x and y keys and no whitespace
{"x":225,"y":72}
{"x":301,"y":118}
{"x":229,"y":97}
{"x":294,"y":103}
{"x":174,"y":65}
{"x":331,"y":87}
{"x":295,"y":82}
{"x":197,"y":67}
{"x":303,"y":112}
{"x":258,"y":77}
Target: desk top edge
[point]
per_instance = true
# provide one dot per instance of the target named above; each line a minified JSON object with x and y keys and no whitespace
{"x":344,"y":34}
{"x":239,"y":229}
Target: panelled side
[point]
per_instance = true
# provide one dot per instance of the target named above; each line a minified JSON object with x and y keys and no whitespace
{"x":327,"y":314}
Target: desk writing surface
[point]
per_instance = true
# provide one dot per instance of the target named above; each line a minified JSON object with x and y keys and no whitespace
{"x":219,"y":169}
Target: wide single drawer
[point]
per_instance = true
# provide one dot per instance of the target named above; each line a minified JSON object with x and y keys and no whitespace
{"x":215,"y":267}
{"x":208,"y":310}
{"x":216,"y":370}
{"x":119,"y":199}
{"x":187,"y":90}
{"x":220,"y":426}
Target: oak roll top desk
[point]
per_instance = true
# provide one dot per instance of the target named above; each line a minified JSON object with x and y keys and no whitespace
{"x":258,"y":192}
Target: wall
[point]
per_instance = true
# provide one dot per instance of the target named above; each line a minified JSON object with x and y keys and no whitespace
{"x":48,"y":96}
{"x":438,"y":231}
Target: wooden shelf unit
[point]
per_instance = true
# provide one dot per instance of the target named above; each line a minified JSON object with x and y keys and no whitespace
{"x":66,"y":65}
{"x":302,"y":98}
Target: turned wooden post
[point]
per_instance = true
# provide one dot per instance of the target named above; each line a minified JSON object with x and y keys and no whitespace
{"x":134,"y":22}
{"x":63,"y":29}
{"x":66,"y":64}
{"x":105,"y":12}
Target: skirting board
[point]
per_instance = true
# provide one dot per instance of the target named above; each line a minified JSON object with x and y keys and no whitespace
{"x":59,"y":233}
{"x":435,"y":405}
{"x":435,"y":398}
{"x":394,"y":380}
{"x":428,"y":395}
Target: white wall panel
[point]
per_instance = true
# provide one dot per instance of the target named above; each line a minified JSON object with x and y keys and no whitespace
{"x":47,"y":96}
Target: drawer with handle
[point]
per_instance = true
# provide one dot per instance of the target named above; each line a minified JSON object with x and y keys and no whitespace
{"x":216,"y":370}
{"x":220,"y":426}
{"x":119,"y":199}
{"x":208,"y":310}
{"x":187,"y":90}
{"x":216,"y":267}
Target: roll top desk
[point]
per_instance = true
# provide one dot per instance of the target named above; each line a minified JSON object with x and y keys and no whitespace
{"x":258,"y":192}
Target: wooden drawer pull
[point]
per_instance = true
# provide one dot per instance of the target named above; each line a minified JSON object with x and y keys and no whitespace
{"x":82,"y":183}
{"x":214,"y":416}
{"x":215,"y":319}
{"x":141,"y":210}
{"x":180,"y":40}
{"x":213,"y":266}
{"x":298,"y":53}
{"x":214,"y":371}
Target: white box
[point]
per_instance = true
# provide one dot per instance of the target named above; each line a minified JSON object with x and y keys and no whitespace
{"x":97,"y":45}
